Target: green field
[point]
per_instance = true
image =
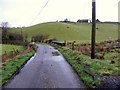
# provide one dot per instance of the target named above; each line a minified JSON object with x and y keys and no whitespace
{"x":9,"y":48}
{"x":80,"y":32}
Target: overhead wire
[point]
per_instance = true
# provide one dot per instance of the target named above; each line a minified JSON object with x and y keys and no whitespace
{"x":40,"y":12}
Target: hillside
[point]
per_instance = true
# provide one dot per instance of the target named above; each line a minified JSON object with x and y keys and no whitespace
{"x":80,"y":32}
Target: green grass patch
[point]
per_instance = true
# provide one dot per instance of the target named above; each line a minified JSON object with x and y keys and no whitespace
{"x":111,"y":56}
{"x":10,"y":67}
{"x":87,"y":79}
{"x":8,"y":48}
{"x":96,"y":66}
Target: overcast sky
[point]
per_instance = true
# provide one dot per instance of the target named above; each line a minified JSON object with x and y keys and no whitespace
{"x":27,"y":12}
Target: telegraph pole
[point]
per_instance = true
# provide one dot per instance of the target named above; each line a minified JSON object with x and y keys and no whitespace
{"x":93,"y":29}
{"x":119,"y":22}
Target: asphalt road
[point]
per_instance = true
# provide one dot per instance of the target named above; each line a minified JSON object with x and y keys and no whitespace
{"x":46,"y":71}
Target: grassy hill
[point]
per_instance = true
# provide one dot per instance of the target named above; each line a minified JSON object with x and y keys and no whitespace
{"x":80,"y":32}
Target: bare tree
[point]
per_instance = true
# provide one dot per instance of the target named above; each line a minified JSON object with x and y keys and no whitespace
{"x":5,"y":27}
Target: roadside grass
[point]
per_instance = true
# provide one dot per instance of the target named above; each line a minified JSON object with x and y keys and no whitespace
{"x":97,"y":68}
{"x":12,"y":66}
{"x":79,"y":68}
{"x":79,"y":32}
{"x":113,"y":57}
{"x":8,"y":48}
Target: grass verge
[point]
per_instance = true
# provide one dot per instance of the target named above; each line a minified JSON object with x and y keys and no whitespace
{"x":90,"y":71}
{"x":12,"y":67}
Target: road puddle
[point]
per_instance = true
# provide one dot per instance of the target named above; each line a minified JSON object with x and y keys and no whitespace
{"x":58,"y":58}
{"x":56,"y":53}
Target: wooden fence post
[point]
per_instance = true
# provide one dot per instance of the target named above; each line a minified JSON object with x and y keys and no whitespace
{"x":65,"y":43}
{"x":73,"y":45}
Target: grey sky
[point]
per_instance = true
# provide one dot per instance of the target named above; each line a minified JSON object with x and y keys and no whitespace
{"x":23,"y":12}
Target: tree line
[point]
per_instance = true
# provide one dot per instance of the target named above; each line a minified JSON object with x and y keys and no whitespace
{"x":11,"y":38}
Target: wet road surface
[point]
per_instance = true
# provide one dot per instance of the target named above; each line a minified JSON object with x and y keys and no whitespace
{"x":46,"y":71}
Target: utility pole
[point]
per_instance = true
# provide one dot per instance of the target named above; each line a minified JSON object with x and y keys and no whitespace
{"x":93,"y":29}
{"x":119,"y":22}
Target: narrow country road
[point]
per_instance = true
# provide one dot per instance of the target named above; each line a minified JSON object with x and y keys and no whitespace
{"x":46,"y":71}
